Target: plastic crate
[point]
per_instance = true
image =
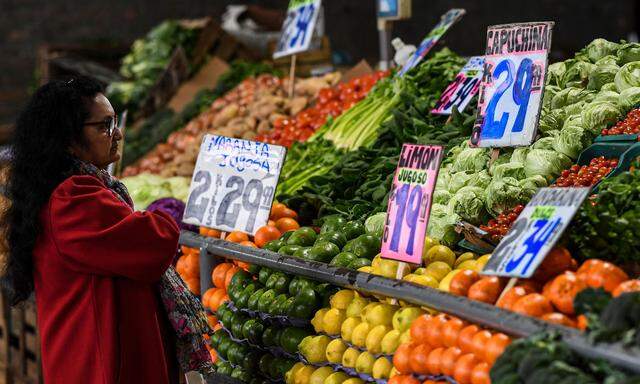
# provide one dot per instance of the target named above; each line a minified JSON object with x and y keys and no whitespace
{"x":616,"y":138}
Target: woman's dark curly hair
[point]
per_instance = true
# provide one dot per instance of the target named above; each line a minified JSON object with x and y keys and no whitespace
{"x":51,"y":122}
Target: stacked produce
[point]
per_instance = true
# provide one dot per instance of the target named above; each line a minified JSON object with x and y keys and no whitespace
{"x":628,"y":126}
{"x":249,"y":109}
{"x":146,"y":188}
{"x":331,"y":103}
{"x":147,"y":60}
{"x":156,"y":128}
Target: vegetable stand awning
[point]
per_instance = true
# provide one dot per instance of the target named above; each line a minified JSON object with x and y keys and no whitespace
{"x":477,"y":312}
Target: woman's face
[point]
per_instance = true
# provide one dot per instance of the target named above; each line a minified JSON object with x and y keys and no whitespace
{"x":98,"y":147}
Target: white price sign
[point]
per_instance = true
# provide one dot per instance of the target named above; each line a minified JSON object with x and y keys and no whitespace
{"x":535,"y":232}
{"x":298,"y":27}
{"x":459,"y":93}
{"x":233,"y":184}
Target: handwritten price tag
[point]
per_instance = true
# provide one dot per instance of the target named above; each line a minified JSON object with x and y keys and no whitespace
{"x":446,"y":21}
{"x":410,"y":202}
{"x":513,"y":84}
{"x":297,"y":29}
{"x":535,"y":232}
{"x":459,"y":93}
{"x":233,"y":184}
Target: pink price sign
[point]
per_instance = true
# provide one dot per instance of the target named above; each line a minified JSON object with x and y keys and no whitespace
{"x":410,"y":202}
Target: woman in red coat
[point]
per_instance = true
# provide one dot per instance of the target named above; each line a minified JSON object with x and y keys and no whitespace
{"x":95,"y":264}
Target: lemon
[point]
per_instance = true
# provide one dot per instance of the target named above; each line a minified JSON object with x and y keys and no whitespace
{"x":420,"y":271}
{"x":429,"y":242}
{"x":334,"y":351}
{"x":405,"y":337}
{"x":359,"y":334}
{"x":289,"y":376}
{"x":375,"y":262}
{"x":374,"y":338}
{"x":332,"y":321}
{"x":336,"y":378}
{"x":303,"y":375}
{"x":381,"y":314}
{"x":346,"y":330}
{"x":438,"y":270}
{"x":353,"y":380}
{"x":349,"y":357}
{"x":356,"y":306}
{"x":381,"y":368}
{"x":426,"y":280}
{"x":403,"y":318}
{"x":440,"y":253}
{"x":366,"y":309}
{"x":317,"y":319}
{"x":365,"y":361}
{"x":393,"y":372}
{"x":389,"y":268}
{"x":390,"y":342}
{"x":341,"y":299}
{"x":320,"y":375}
{"x":469,"y":264}
{"x":481,"y":262}
{"x":314,"y":349}
{"x":464,"y":257}
{"x":444,"y":283}
{"x":365,"y":269}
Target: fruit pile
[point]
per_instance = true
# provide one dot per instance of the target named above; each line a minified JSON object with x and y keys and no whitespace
{"x":630,"y":125}
{"x":445,"y":345}
{"x":357,"y":336}
{"x":498,"y":227}
{"x":331,"y":102}
{"x":586,"y":175}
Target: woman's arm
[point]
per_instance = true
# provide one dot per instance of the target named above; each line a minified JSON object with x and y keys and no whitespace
{"x":97,"y":233}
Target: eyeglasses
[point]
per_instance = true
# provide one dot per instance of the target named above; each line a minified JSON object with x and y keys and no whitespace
{"x":109,"y":124}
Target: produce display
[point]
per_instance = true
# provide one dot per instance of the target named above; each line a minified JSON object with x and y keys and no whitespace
{"x":249,"y":109}
{"x":146,"y":188}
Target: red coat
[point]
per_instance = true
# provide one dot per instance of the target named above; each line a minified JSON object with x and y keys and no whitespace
{"x":96,"y":264}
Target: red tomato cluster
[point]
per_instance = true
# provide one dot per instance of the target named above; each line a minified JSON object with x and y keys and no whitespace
{"x":630,"y":125}
{"x":331,"y":102}
{"x":499,"y":227}
{"x":586,"y":175}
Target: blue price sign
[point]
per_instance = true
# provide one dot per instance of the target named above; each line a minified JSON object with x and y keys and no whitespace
{"x":535,"y":232}
{"x":298,"y":27}
{"x":446,"y":21}
{"x":513,"y":84}
{"x":233,"y":184}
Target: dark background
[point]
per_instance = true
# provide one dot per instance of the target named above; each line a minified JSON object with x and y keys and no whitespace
{"x":27,"y":24}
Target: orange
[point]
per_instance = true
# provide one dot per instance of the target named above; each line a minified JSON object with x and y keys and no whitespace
{"x":451,"y":330}
{"x":464,"y":367}
{"x":434,"y":332}
{"x":465,"y":338}
{"x":583,"y":322}
{"x":193,"y":283}
{"x":237,"y":237}
{"x":495,"y":346}
{"x":479,"y":343}
{"x":180,"y":266}
{"x":212,"y":320}
{"x":557,"y":261}
{"x":410,"y":380}
{"x":627,"y":286}
{"x":216,"y":299}
{"x":533,"y":304}
{"x":462,"y":281}
{"x":192,"y":265}
{"x":218,"y":274}
{"x":480,"y":374}
{"x":448,"y":360}
{"x":487,"y":289}
{"x":286,"y":224}
{"x":607,"y":276}
{"x":563,"y":290}
{"x":248,"y":244}
{"x":402,"y":356}
{"x":271,"y":223}
{"x":277,"y":211}
{"x":419,"y":359}
{"x":207,"y":295}
{"x":559,"y":318}
{"x":266,"y":234}
{"x":213,"y":233}
{"x":419,"y":327}
{"x":203,"y":231}
{"x":229,"y":274}
{"x":512,"y":295}
{"x":434,"y":361}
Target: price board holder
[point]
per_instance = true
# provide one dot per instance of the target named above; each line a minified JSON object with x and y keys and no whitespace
{"x":513,"y":84}
{"x":446,"y":21}
{"x":298,"y":27}
{"x":459,"y":93}
{"x":233,"y":184}
{"x":535,"y":232}
{"x":410,"y":202}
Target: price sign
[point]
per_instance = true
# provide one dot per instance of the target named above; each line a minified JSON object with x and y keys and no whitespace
{"x":394,"y":9}
{"x":512,"y":85}
{"x":410,"y":202}
{"x":459,"y":93}
{"x":297,"y":29}
{"x":233,"y":184}
{"x":446,"y":21}
{"x":535,"y":232}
